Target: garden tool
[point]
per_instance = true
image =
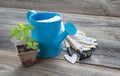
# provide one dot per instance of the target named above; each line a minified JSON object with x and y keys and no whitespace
{"x":70,"y":57}
{"x":85,"y":54}
{"x":79,"y":49}
{"x":77,"y":46}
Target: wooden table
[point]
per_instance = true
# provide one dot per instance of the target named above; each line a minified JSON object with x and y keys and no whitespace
{"x":105,"y":29}
{"x":10,"y":66}
{"x":91,"y":7}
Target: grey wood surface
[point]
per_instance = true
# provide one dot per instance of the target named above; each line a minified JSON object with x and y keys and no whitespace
{"x":93,"y":7}
{"x":105,"y":29}
{"x":10,"y":66}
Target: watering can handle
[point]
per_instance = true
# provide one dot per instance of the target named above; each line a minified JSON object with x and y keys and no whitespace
{"x":29,"y":13}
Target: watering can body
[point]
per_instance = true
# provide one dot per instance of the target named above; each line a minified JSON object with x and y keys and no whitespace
{"x":46,"y":33}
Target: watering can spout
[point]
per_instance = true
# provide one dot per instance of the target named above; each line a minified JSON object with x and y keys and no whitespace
{"x":69,"y":29}
{"x":59,"y":39}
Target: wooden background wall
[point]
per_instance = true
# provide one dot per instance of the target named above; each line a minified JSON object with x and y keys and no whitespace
{"x":91,"y":7}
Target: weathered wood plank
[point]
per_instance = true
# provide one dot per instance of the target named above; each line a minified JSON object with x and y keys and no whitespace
{"x":10,"y":66}
{"x":107,"y":54}
{"x":93,"y":7}
{"x":104,"y":29}
{"x":84,"y":22}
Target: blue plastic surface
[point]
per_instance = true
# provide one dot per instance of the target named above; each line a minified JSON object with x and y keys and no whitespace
{"x":47,"y":34}
{"x":70,"y":28}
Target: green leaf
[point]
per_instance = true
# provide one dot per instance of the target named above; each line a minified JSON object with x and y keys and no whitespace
{"x":14,"y":31}
{"x":23,"y":38}
{"x":28,"y":47}
{"x":17,"y":36}
{"x":30,"y":39}
{"x":20,"y":25}
{"x":26,"y":32}
{"x":29,"y":43}
{"x":28,"y":26}
{"x":22,"y":32}
{"x":35,"y":44}
{"x":34,"y":47}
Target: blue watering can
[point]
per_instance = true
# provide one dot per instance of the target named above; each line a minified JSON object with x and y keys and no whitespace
{"x":47,"y":33}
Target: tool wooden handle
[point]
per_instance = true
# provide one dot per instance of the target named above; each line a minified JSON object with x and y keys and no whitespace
{"x":68,"y":48}
{"x":72,"y":43}
{"x":67,"y":44}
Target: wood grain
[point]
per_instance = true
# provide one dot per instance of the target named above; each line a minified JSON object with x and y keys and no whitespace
{"x":10,"y":66}
{"x":104,"y":29}
{"x":91,"y":7}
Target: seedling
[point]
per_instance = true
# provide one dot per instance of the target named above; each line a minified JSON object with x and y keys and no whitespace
{"x":22,"y":32}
